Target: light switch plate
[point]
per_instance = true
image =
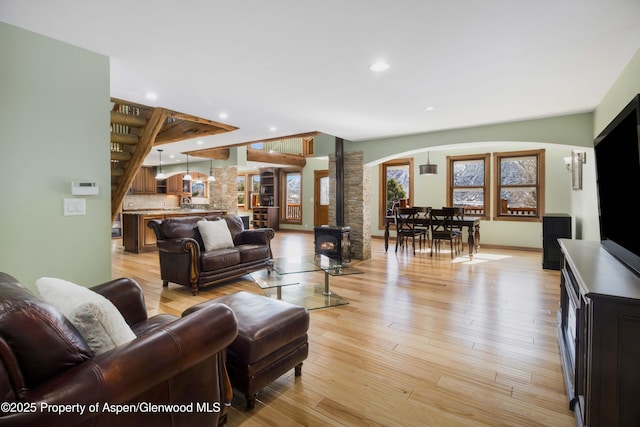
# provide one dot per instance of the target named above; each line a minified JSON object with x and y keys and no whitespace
{"x":74,"y":207}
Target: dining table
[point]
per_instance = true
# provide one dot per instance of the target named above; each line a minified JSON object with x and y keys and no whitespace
{"x":472,"y":223}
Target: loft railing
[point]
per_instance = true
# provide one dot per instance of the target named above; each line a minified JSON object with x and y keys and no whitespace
{"x":286,"y":146}
{"x":296,"y":146}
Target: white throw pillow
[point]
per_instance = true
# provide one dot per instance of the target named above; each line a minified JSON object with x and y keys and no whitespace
{"x":215,"y":235}
{"x":94,"y":316}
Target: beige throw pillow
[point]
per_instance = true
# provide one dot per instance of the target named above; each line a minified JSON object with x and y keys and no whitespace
{"x":215,"y":235}
{"x":94,"y":316}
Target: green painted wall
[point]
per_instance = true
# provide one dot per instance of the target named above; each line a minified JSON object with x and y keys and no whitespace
{"x":626,"y":87}
{"x":557,"y":135}
{"x":54,"y":129}
{"x":323,"y":145}
{"x":573,"y":129}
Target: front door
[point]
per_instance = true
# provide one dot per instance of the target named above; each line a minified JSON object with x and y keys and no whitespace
{"x":321,"y":197}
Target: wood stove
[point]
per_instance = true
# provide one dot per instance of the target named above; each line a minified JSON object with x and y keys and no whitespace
{"x":333,"y":242}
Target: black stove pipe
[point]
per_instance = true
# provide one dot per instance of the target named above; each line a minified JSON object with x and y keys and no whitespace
{"x":339,"y":181}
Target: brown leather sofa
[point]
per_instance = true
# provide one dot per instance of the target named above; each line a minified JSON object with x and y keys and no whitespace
{"x":184,"y":261}
{"x":44,"y":361}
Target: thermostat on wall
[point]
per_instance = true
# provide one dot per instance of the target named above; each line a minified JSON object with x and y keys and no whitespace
{"x":84,"y":188}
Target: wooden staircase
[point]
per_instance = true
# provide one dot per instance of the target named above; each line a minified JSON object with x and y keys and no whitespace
{"x":136,"y":129}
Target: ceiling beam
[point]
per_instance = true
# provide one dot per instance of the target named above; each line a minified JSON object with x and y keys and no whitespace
{"x":263,"y":156}
{"x":210,"y":153}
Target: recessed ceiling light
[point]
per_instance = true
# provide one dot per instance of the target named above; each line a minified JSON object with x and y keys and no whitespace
{"x":428,"y":109}
{"x":379,"y":66}
{"x":223,"y":115}
{"x":199,"y":142}
{"x":151,"y":96}
{"x":273,"y":128}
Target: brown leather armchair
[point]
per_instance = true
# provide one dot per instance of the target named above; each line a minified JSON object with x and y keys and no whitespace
{"x":44,"y":361}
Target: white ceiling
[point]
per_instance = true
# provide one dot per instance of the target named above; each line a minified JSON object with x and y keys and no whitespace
{"x":303,"y":66}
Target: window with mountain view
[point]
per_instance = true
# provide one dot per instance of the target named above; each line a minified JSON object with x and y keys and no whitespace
{"x":519,"y":185}
{"x":293,"y":196}
{"x":241,"y":181}
{"x":396,"y":182}
{"x":468,"y":183}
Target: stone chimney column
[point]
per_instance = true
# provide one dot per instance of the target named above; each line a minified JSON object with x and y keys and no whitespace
{"x":357,"y":184}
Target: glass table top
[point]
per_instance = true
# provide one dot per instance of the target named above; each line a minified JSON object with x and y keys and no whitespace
{"x":289,"y":280}
{"x":301,"y":264}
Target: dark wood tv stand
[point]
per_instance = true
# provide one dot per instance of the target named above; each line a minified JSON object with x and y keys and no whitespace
{"x":599,"y":335}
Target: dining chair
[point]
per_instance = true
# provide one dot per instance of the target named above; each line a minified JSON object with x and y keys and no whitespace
{"x":422,"y":220}
{"x":457,"y":213}
{"x":405,"y":219}
{"x":442,"y":228}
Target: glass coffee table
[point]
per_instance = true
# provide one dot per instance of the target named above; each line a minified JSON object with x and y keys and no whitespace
{"x":292,"y":279}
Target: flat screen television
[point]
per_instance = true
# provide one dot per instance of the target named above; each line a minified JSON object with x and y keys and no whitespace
{"x":617,"y":157}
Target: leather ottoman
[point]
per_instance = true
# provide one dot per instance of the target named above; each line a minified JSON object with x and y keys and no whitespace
{"x":272,"y":339}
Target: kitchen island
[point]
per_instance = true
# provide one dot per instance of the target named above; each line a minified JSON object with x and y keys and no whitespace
{"x":137,"y":237}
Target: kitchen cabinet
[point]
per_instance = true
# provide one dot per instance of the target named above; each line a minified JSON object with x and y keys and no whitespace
{"x":137,"y":237}
{"x":147,"y":236}
{"x":144,"y":182}
{"x":177,"y":186}
{"x":174,"y":184}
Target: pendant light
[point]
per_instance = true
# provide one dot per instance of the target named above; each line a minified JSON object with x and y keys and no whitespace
{"x":211,"y":178}
{"x":428,"y":169}
{"x":160,"y":175}
{"x":187,"y":177}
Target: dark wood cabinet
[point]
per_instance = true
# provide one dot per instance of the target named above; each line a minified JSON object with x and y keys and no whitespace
{"x":269,"y":185}
{"x":598,"y":323}
{"x":266,"y":216}
{"x":554,"y":226}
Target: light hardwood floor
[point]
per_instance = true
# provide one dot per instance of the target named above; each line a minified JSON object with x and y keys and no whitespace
{"x":423,"y":342}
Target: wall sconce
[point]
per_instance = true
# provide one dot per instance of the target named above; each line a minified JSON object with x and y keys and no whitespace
{"x":578,"y":158}
{"x":429,"y":168}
